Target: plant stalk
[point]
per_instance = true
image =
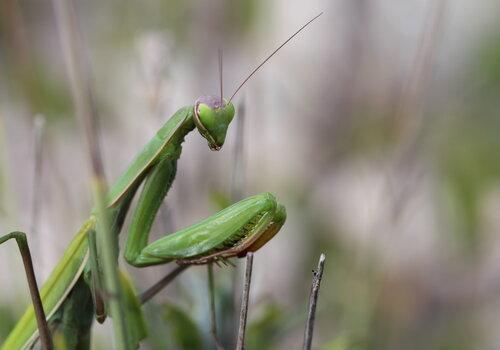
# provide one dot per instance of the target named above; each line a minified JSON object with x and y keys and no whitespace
{"x":240,"y":344}
{"x":78,"y":72}
{"x":43,"y":329}
{"x":313,"y":301}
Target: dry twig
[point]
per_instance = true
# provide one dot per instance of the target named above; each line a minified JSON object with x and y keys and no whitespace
{"x":158,"y":286}
{"x":313,"y":300}
{"x":244,"y":303}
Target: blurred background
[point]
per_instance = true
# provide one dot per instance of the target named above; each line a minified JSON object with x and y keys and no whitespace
{"x":378,"y":128}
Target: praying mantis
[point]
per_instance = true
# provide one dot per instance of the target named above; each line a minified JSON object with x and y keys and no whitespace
{"x":69,"y":295}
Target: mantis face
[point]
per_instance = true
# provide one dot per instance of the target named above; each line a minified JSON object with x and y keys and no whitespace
{"x":212,"y":118}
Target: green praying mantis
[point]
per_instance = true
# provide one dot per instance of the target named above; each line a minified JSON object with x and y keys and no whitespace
{"x":69,"y":295}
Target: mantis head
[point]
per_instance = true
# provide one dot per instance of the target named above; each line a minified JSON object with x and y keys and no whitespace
{"x":212,"y":116}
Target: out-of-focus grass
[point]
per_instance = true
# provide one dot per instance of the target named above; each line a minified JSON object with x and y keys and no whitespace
{"x":365,"y":302}
{"x":468,"y":145}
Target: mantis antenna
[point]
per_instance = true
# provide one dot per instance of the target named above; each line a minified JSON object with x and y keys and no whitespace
{"x":220,"y":78}
{"x":272,"y":54}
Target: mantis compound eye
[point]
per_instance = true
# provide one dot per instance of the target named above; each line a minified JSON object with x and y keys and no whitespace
{"x":212,"y":118}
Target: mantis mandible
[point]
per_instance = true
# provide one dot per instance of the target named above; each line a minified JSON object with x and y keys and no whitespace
{"x":68,"y":294}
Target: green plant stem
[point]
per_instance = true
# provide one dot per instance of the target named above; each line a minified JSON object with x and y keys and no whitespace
{"x":109,"y":258}
{"x":78,"y":72}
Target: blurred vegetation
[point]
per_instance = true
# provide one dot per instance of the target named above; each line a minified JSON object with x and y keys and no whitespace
{"x":407,"y":218}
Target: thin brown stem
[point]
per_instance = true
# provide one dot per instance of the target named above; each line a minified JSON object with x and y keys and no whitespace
{"x":414,"y":91}
{"x":78,"y":72}
{"x":313,"y":301}
{"x":158,"y":286}
{"x":41,"y":321}
{"x":240,"y":344}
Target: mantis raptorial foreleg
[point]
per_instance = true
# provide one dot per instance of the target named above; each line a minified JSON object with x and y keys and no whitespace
{"x":242,"y":227}
{"x":229,"y":233}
